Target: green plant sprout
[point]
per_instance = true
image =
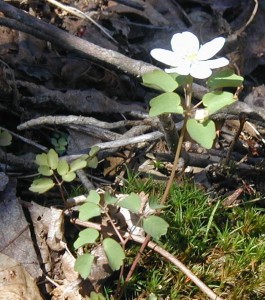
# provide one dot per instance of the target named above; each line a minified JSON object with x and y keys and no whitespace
{"x":59,"y":142}
{"x":50,"y":165}
{"x":190,"y":60}
{"x":5,"y":138}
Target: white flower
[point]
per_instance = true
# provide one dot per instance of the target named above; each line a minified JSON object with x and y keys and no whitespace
{"x":188,"y":57}
{"x":201,"y":114}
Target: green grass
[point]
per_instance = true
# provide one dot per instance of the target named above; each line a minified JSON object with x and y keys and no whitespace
{"x":224,"y":247}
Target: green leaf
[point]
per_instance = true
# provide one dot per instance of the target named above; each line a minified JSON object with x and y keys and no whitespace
{"x":155,"y":226}
{"x":63,"y":167}
{"x":42,"y":159}
{"x":53,"y":159}
{"x":5,"y":138}
{"x":165,"y":103}
{"x":41,"y":185}
{"x":88,"y":211}
{"x":114,"y":253}
{"x":45,"y":170}
{"x":224,"y":78}
{"x":109,"y":199}
{"x":86,"y":236}
{"x":159,"y":80}
{"x":83,"y":264}
{"x":131,"y":202}
{"x":62,"y":141}
{"x":217,"y":100}
{"x":92,"y":162}
{"x":77,"y":164}
{"x":93,"y":197}
{"x":203,"y":133}
{"x":68,"y":177}
{"x":94,"y":150}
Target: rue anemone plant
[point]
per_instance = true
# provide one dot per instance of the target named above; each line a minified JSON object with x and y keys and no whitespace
{"x":188,"y":61}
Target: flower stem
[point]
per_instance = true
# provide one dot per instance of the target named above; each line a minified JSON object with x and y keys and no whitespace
{"x":188,"y":96}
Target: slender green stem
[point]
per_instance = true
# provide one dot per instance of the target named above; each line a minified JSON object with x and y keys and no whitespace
{"x":188,"y":96}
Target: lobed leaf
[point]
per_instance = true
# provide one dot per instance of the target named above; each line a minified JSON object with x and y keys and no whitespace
{"x":93,"y":197}
{"x":88,"y":211}
{"x":41,"y":185}
{"x":53,"y":159}
{"x":109,"y":199}
{"x":63,"y":167}
{"x":159,"y":80}
{"x":94,"y":150}
{"x":83,"y":264}
{"x":42,"y":159}
{"x":131,"y":202}
{"x":114,"y":253}
{"x":203,"y":133}
{"x":224,"y":78}
{"x":92,"y":162}
{"x":86,"y":236}
{"x":215,"y":101}
{"x":165,"y":103}
{"x":77,"y":164}
{"x":45,"y":170}
{"x":68,"y":177}
{"x":155,"y":226}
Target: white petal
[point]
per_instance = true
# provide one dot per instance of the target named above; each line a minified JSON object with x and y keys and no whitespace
{"x":209,"y":49}
{"x":214,"y":63}
{"x":184,"y":68}
{"x":185,"y":42}
{"x":165,"y":56}
{"x":200,"y":71}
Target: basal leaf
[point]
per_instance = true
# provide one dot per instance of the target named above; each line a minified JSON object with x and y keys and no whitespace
{"x":53,"y":159}
{"x":94,"y":150}
{"x":224,"y":78}
{"x":217,"y":100}
{"x":5,"y":138}
{"x":77,"y":164}
{"x":159,"y":80}
{"x":203,"y":133}
{"x":165,"y":103}
{"x":68,"y":177}
{"x":131,"y":202}
{"x":92,"y":162}
{"x":45,"y":170}
{"x":83,"y":264}
{"x":93,"y":197}
{"x":155,"y":226}
{"x":42,"y":159}
{"x":41,"y":185}
{"x":88,"y":211}
{"x":114,"y":253}
{"x":63,"y":167}
{"x":86,"y":236}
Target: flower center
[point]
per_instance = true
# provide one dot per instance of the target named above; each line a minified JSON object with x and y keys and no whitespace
{"x":192,"y":57}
